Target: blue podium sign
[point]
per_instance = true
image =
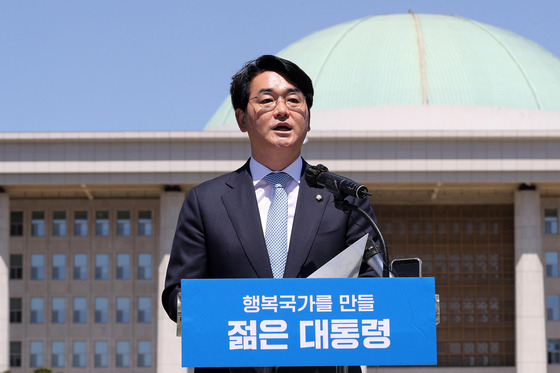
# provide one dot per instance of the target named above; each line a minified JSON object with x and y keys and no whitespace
{"x":308,"y":322}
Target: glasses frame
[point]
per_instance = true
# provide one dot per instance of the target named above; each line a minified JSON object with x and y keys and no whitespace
{"x":288,"y":105}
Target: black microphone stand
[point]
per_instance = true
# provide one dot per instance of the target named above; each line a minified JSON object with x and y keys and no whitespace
{"x":342,"y":204}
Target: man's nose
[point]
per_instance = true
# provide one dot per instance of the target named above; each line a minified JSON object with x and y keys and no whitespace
{"x":281,"y":108}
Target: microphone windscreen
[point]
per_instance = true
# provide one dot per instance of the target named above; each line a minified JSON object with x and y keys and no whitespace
{"x":312,"y":175}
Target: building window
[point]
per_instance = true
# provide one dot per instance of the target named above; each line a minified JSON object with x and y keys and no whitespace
{"x":144,"y":223}
{"x":144,"y":266}
{"x":552,"y":307}
{"x":16,"y":267}
{"x":144,"y":353}
{"x":15,"y":354}
{"x":36,"y":310}
{"x":58,"y":313}
{"x":57,"y":354}
{"x":469,"y":249}
{"x":80,"y":267}
{"x":123,"y":223}
{"x":36,"y":354}
{"x":101,"y":310}
{"x":554,"y":351}
{"x":123,"y":310}
{"x":144,"y":310}
{"x":38,"y":223}
{"x":101,"y":266}
{"x":102,"y":223}
{"x":123,"y":354}
{"x":80,"y":307}
{"x":101,"y":354}
{"x":16,"y":223}
{"x":59,"y":267}
{"x":551,"y":263}
{"x":59,"y":223}
{"x":123,"y":266}
{"x":15,"y":310}
{"x":551,"y":221}
{"x":37,"y":267}
{"x":79,"y":354}
{"x":80,"y":223}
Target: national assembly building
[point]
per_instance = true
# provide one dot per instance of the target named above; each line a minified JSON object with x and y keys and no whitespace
{"x":452,"y":124}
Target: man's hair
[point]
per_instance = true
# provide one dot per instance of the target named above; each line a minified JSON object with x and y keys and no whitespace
{"x":241,"y":82}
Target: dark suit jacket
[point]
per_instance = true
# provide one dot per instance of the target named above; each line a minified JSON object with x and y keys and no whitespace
{"x":219,"y":234}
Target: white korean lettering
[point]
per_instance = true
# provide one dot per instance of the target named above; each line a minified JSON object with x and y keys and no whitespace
{"x":347,"y":303}
{"x":273,"y":330}
{"x":305,"y":300}
{"x":344,"y":334}
{"x":269,"y":303}
{"x":243,"y":335}
{"x":365,"y":302}
{"x":251,"y":303}
{"x":288,"y":302}
{"x":321,"y":329}
{"x":324,"y":303}
{"x":377,"y":333}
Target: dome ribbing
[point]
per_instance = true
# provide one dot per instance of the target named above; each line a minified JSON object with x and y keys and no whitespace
{"x":420,"y":59}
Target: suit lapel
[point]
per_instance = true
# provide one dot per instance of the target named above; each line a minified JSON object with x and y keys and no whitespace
{"x":242,"y":210}
{"x":309,"y":213}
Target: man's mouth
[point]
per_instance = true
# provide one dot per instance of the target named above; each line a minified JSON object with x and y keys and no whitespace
{"x":282,"y":128}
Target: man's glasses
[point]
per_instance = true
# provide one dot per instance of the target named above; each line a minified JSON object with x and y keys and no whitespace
{"x":266,"y":101}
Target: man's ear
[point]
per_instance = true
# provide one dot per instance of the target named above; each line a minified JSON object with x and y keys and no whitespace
{"x":308,"y":120}
{"x":240,"y":117}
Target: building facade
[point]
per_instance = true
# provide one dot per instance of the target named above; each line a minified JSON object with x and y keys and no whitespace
{"x":83,"y":274}
{"x":84,"y":261}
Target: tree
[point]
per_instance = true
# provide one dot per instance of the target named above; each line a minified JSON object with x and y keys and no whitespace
{"x":42,"y":370}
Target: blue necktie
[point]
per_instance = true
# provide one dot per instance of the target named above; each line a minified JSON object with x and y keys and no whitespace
{"x":276,"y":235}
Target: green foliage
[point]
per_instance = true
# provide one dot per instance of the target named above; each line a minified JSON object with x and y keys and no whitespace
{"x":39,"y":370}
{"x":42,"y":370}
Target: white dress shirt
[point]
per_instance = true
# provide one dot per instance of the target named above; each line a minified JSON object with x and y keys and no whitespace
{"x":265,"y":192}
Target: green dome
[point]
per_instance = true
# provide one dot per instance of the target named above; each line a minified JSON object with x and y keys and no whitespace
{"x":421,"y":59}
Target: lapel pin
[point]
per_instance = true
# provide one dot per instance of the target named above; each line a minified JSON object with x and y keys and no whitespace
{"x":319,"y":197}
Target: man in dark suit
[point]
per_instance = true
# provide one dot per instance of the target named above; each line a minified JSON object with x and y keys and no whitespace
{"x":221,"y":228}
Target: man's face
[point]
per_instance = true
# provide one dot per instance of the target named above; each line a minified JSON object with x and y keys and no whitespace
{"x":279,"y":129}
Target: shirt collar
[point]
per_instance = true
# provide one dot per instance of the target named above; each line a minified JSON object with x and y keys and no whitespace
{"x":258,"y":170}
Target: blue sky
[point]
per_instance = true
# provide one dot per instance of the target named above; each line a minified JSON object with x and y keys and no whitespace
{"x":142,"y":65}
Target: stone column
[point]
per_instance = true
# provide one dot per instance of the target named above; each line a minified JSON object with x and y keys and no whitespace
{"x":4,"y":281}
{"x":530,"y":324}
{"x":168,"y":344}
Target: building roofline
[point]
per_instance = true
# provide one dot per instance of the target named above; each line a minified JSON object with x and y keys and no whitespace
{"x":237,"y":136}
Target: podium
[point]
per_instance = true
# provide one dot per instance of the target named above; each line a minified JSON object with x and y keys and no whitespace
{"x":330,"y":318}
{"x":308,"y":322}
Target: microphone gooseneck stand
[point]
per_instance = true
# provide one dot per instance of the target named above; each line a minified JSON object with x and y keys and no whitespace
{"x":340,"y":187}
{"x":342,"y":204}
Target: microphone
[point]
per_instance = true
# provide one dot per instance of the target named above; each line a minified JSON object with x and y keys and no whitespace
{"x":320,"y":177}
